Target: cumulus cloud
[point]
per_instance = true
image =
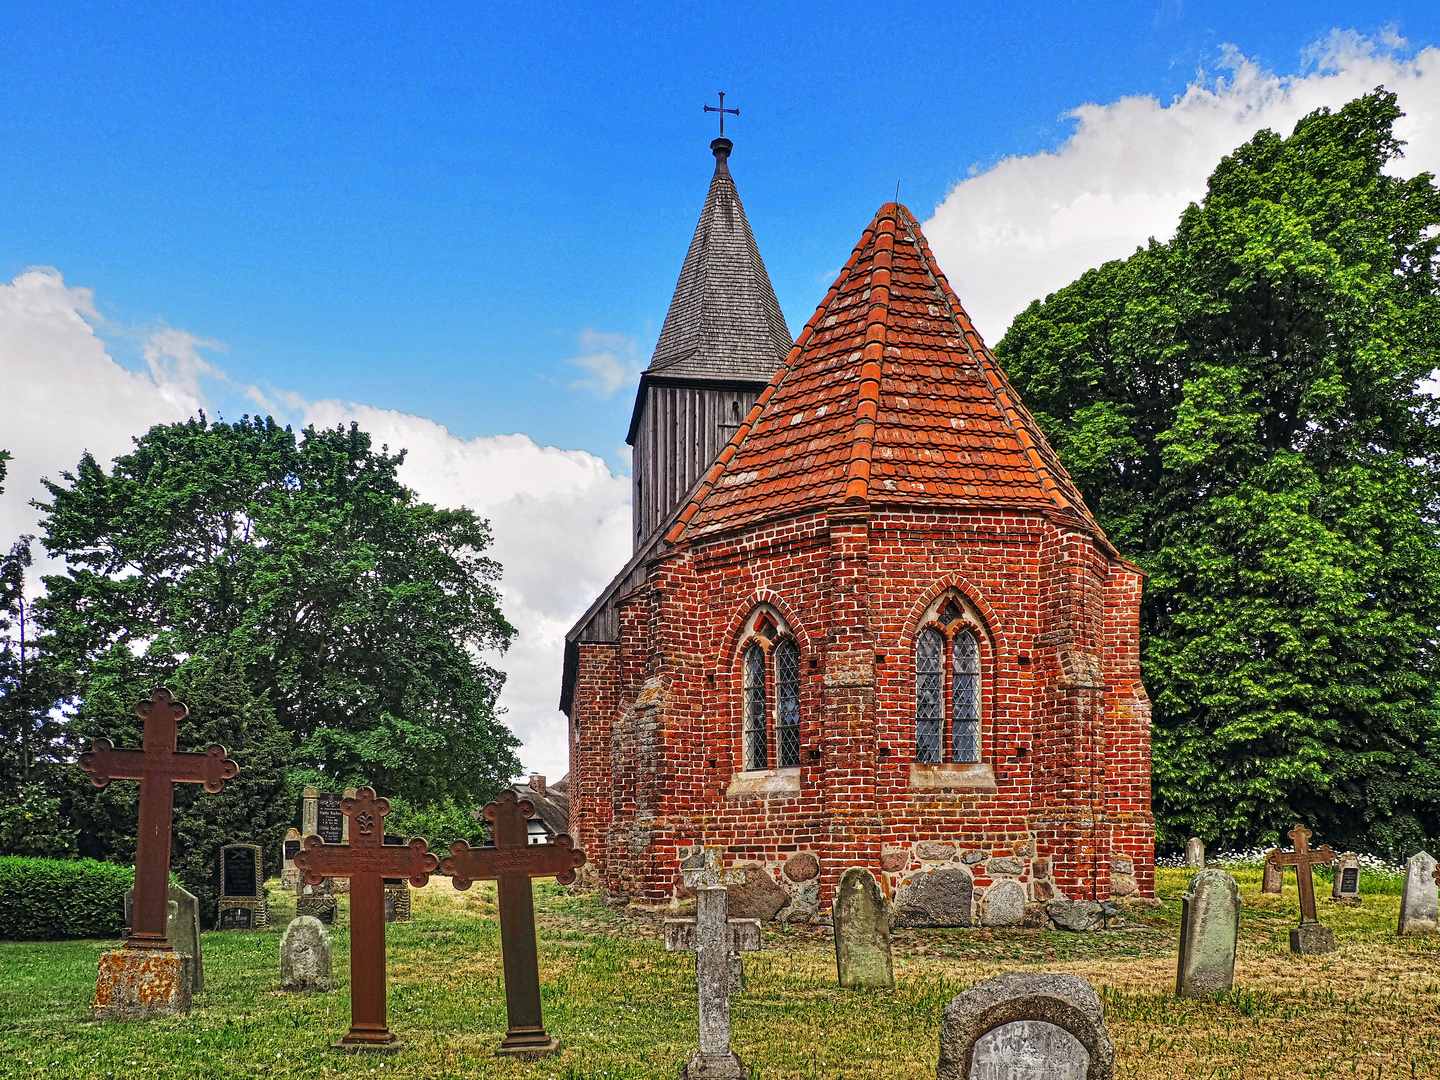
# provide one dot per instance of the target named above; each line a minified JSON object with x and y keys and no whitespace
{"x":609,"y":360}
{"x":561,"y":521}
{"x":1031,"y":224}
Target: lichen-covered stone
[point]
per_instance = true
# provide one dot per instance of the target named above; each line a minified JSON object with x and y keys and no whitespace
{"x":1209,"y":926}
{"x":1005,"y":867}
{"x":1122,"y":885}
{"x":1121,"y":865}
{"x":894,"y":861}
{"x":305,"y":956}
{"x":940,"y":897}
{"x":1312,"y":939}
{"x":1035,"y":918}
{"x":758,"y":896}
{"x":1004,"y":904}
{"x":806,"y":904}
{"x":1075,"y":914}
{"x":970,"y":858}
{"x":1035,"y":1001}
{"x":933,"y":851}
{"x":1419,"y":904}
{"x":862,"y":931}
{"x":133,"y":984}
{"x":802,"y":867}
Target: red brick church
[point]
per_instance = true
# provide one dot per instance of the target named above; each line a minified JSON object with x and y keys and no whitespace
{"x":869,"y":620}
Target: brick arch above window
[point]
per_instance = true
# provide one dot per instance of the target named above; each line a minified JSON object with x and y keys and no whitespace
{"x":983,"y":613}
{"x":741,"y":626}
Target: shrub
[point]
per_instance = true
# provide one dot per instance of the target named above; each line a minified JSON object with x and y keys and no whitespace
{"x":48,"y":899}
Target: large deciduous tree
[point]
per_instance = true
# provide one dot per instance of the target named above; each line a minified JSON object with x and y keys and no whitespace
{"x":302,"y":568}
{"x":1243,"y":410}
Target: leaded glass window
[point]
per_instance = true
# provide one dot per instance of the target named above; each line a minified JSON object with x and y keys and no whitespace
{"x":756,"y":737}
{"x":929,"y":694}
{"x":787,"y":699}
{"x":965,"y":706}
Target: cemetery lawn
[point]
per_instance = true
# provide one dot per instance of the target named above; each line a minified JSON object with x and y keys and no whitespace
{"x":624,"y":1009}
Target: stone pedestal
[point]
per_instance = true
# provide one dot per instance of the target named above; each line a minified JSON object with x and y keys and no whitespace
{"x":1312,"y":939}
{"x":134,"y":984}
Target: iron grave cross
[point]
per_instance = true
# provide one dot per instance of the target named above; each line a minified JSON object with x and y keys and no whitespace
{"x":366,"y":860}
{"x":1302,"y":858}
{"x":712,"y":936}
{"x":722,"y":111}
{"x":512,"y":862}
{"x":158,"y":767}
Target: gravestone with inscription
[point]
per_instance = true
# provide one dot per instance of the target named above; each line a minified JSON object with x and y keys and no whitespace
{"x":289,"y":876}
{"x":1026,"y":1026}
{"x":243,"y":904}
{"x":305,"y":956}
{"x":1209,"y":929}
{"x":1347,"y":878}
{"x":1195,"y":854}
{"x":1419,"y":905}
{"x":862,"y":931}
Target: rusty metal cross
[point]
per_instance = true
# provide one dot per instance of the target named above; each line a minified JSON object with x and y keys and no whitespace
{"x":1302,"y":858}
{"x":512,"y":862}
{"x":722,"y":111}
{"x":366,"y":860}
{"x":158,"y":767}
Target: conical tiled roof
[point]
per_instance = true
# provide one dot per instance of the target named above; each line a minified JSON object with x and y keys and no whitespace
{"x":889,"y":396}
{"x":724,"y":322}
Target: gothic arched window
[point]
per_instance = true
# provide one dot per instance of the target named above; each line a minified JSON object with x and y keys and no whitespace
{"x":950,"y":645}
{"x":757,"y":741}
{"x":770,"y":696}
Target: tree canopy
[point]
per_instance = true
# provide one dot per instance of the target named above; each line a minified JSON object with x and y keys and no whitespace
{"x":1242,"y":409}
{"x":301,"y":570}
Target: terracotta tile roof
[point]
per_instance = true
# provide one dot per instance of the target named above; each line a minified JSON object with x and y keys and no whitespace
{"x":889,"y":396}
{"x":724,"y":322}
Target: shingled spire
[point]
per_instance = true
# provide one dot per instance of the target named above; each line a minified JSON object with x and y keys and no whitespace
{"x":721,"y":342}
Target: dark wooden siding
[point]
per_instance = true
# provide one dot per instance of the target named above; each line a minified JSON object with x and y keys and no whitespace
{"x":682,"y":430}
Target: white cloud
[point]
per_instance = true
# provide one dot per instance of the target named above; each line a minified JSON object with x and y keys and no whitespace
{"x":1032,"y":224}
{"x":561,"y":522}
{"x":64,"y":394}
{"x":610,"y":360}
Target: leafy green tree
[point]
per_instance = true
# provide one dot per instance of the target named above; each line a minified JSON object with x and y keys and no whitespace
{"x":354,"y":611}
{"x":1242,"y":408}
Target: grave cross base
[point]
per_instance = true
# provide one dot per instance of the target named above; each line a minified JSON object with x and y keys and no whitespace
{"x":133,"y":984}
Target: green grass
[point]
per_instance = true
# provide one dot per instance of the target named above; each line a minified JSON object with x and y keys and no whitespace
{"x":625,"y":1009}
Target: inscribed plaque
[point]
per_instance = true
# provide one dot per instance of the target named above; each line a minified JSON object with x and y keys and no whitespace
{"x":236,"y":918}
{"x":329,"y":821}
{"x":240,"y":875}
{"x":1029,"y":1050}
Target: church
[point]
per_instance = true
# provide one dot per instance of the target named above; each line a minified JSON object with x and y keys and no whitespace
{"x":869,"y":620}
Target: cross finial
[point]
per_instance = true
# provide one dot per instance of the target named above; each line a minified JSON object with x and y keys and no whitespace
{"x":722,"y":111}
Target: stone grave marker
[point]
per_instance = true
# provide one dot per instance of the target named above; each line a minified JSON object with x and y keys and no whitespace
{"x":289,"y":876}
{"x":713,"y":937}
{"x":1419,"y":906}
{"x":1026,"y":1026}
{"x":305,"y":956}
{"x":1209,"y":929}
{"x":366,"y":861}
{"x":146,"y":976}
{"x":182,"y":928}
{"x":243,"y":904}
{"x":862,"y":931}
{"x":1311,"y":937}
{"x":1347,"y":878}
{"x":1273,"y":879}
{"x":512,"y":861}
{"x":705,"y":868}
{"x":1195,"y":854}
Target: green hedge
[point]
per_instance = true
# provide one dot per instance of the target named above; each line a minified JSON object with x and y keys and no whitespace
{"x":49,"y":899}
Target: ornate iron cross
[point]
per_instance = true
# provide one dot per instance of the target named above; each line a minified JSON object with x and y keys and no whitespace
{"x":722,"y":111}
{"x":1302,"y":858}
{"x":512,"y":862}
{"x":158,"y":767}
{"x":366,"y":860}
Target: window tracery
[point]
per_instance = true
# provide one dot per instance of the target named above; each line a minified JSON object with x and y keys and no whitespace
{"x":770,"y":695}
{"x":948,"y":643}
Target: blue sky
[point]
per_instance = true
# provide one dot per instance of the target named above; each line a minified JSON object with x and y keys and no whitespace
{"x":423,"y":208}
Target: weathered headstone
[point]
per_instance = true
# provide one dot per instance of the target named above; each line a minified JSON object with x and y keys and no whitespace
{"x":366,"y":861}
{"x":512,"y":862}
{"x":182,"y":928}
{"x":1311,"y":936}
{"x":146,"y":977}
{"x":1026,"y":1026}
{"x":862,"y":931}
{"x":289,"y":876}
{"x":713,"y":937}
{"x":305,"y":956}
{"x":943,"y":896}
{"x":1195,"y":854}
{"x":1419,"y":906}
{"x":1347,"y":878}
{"x":243,"y":904}
{"x":1209,"y":929}
{"x":1273,"y":879}
{"x":705,"y":867}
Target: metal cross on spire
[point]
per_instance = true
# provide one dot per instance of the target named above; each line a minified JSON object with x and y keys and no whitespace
{"x":722,"y":111}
